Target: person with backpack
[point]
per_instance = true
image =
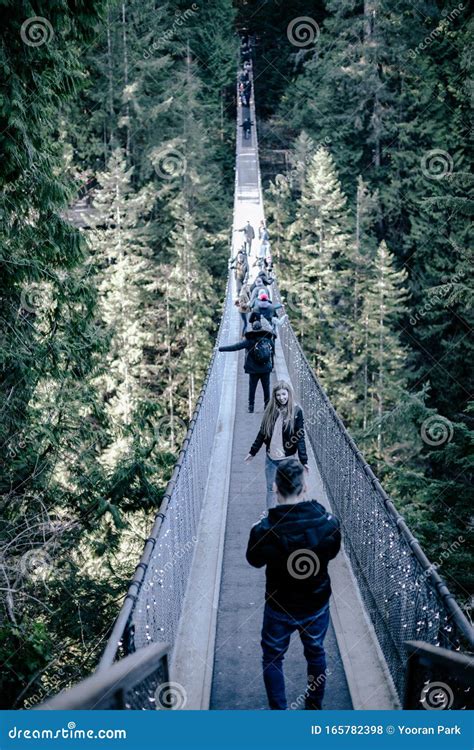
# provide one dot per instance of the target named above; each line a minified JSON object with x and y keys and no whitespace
{"x":259,"y":353}
{"x":247,"y":126}
{"x":295,"y":541}
{"x":249,"y":234}
{"x":276,"y":321}
{"x":256,"y":287}
{"x":241,"y":268}
{"x":282,"y":431}
{"x":261,"y":284}
{"x":262,"y":306}
{"x":243,"y":306}
{"x":265,"y":276}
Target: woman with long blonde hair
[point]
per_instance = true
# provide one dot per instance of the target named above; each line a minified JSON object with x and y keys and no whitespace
{"x":282,"y":431}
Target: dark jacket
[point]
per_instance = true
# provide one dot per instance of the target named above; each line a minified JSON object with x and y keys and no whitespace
{"x":251,"y":366}
{"x":293,"y":440}
{"x":267,"y":280}
{"x":296,"y":583}
{"x":265,"y":308}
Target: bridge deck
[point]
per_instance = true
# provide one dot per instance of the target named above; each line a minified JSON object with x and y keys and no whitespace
{"x":237,"y":681}
{"x":237,"y":675}
{"x":217,"y":654}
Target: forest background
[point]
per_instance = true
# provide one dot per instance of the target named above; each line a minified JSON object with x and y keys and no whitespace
{"x":117,"y":127}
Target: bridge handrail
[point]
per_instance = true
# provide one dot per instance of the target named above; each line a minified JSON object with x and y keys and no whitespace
{"x":449,"y":600}
{"x":108,"y":689}
{"x":134,"y":588}
{"x":120,"y":624}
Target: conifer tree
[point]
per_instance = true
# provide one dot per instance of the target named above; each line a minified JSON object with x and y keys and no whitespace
{"x":124,"y":269}
{"x":322,"y":228}
{"x":381,"y":357}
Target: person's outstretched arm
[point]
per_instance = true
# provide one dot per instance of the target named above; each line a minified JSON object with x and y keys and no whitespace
{"x":257,"y":443}
{"x":234,"y":347}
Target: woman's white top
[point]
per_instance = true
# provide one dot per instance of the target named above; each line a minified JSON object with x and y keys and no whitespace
{"x":276,"y":451}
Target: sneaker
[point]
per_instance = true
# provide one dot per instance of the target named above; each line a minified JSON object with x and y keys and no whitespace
{"x":250,"y":410}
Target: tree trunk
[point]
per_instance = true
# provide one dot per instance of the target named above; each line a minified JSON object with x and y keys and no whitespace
{"x":125,"y":76}
{"x":110,"y":77}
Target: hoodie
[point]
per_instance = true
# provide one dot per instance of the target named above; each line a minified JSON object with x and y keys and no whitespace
{"x":296,"y":542}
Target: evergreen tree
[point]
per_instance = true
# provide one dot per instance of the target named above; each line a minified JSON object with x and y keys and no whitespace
{"x":124,"y":268}
{"x":187,"y":292}
{"x":323,"y":263}
{"x":381,"y":357}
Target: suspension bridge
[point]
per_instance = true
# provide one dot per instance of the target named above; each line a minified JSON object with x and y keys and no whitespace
{"x":188,"y":633}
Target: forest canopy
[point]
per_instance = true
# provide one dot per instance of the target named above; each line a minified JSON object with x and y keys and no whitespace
{"x":117,"y":172}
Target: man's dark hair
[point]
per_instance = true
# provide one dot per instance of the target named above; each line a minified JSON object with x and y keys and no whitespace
{"x":289,"y":477}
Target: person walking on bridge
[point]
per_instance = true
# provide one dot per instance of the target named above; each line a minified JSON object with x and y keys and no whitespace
{"x":241,"y":269}
{"x":247,"y":126}
{"x":295,"y":542}
{"x":262,"y":280}
{"x":258,"y":343}
{"x":249,"y":234}
{"x":282,"y":431}
{"x":243,"y":306}
{"x":262,"y":305}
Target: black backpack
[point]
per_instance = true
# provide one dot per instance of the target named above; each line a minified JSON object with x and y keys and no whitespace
{"x":263,"y":351}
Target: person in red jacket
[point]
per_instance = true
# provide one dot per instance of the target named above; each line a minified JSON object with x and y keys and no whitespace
{"x":295,"y":542}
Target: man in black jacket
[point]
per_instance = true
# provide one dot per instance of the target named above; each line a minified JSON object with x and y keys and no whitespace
{"x":259,"y":353}
{"x":295,"y":541}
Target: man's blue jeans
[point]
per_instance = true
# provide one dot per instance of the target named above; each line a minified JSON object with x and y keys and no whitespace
{"x":276,"y":633}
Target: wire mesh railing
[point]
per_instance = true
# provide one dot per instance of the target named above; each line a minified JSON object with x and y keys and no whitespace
{"x":405,"y":597}
{"x":153,"y":603}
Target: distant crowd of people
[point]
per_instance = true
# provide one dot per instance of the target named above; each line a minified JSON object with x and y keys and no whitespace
{"x":296,"y":527}
{"x":245,"y":86}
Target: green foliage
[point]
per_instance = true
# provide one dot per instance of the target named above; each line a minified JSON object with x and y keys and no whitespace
{"x":127,"y":107}
{"x":385,"y":90}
